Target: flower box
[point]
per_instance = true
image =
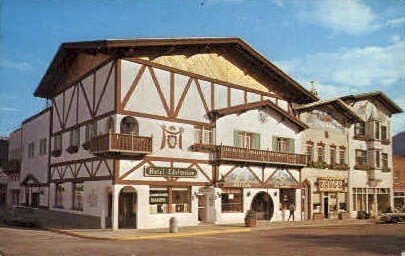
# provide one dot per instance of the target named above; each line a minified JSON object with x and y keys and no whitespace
{"x":72,"y":149}
{"x":56,"y":152}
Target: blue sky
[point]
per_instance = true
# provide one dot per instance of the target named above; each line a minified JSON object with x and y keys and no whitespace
{"x":345,"y":46}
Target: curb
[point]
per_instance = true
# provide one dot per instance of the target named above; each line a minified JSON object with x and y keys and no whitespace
{"x":153,"y":236}
{"x":324,"y":225}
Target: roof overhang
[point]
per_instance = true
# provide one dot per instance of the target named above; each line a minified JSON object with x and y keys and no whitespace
{"x":336,"y":108}
{"x":377,"y":97}
{"x":264,"y":104}
{"x":67,"y":52}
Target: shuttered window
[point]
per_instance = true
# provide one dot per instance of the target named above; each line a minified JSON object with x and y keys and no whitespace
{"x":242,"y":139}
{"x":280,"y":144}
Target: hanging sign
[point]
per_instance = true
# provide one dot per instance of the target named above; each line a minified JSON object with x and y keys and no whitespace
{"x":153,"y":171}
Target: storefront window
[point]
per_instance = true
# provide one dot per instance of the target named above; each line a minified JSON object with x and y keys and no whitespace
{"x":77,"y":196}
{"x":169,"y":199}
{"x":181,"y":200}
{"x":287,"y":197}
{"x":232,"y":200}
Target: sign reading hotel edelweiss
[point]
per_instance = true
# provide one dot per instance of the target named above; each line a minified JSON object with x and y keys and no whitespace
{"x":170,"y":172}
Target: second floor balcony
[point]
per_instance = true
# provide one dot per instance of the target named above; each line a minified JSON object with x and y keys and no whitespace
{"x":124,"y":145}
{"x":221,"y":153}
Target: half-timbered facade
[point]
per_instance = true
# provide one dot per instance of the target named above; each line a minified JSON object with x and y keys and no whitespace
{"x":140,"y":131}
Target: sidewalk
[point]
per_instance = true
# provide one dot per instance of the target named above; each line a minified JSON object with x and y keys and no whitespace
{"x":201,"y":230}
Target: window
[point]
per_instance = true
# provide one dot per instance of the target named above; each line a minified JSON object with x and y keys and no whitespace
{"x":91,"y":130}
{"x":181,"y":199}
{"x":377,"y":159}
{"x":384,"y":134}
{"x":42,"y":146}
{"x":169,"y":199}
{"x":232,"y":200}
{"x":203,"y":135}
{"x":58,"y":195}
{"x":384,"y":159}
{"x":359,"y":129}
{"x":321,"y":153}
{"x":310,"y":153}
{"x":15,"y":200}
{"x":332,"y":155}
{"x":247,"y":140}
{"x":75,"y":137}
{"x":77,"y":196}
{"x":377,"y":130}
{"x":285,"y":145}
{"x":31,"y":150}
{"x":57,"y":142}
{"x":361,"y":157}
{"x":342,"y":153}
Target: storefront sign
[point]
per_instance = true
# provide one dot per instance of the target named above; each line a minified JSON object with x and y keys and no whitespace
{"x":158,"y":197}
{"x":331,"y":185}
{"x":170,"y":172}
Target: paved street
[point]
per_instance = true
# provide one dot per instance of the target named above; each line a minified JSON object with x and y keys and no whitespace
{"x":356,"y":240}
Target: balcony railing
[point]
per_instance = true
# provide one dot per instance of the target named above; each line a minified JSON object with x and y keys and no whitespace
{"x":236,"y":154}
{"x":120,"y":144}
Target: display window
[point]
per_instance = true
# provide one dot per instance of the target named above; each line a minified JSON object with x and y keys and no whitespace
{"x":232,"y":200}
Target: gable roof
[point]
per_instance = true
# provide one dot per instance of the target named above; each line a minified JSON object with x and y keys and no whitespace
{"x":334,"y":107}
{"x":378,"y":97}
{"x":254,"y":61}
{"x":218,"y":113}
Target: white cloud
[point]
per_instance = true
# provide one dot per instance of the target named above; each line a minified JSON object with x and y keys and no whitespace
{"x":352,"y":17}
{"x":278,"y":3}
{"x":395,"y":38}
{"x":8,"y":109}
{"x":368,"y":66}
{"x":23,"y":66}
{"x":396,"y":22}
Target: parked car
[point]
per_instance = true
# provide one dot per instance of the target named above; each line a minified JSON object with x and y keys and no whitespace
{"x":21,"y":216}
{"x":392,"y":217}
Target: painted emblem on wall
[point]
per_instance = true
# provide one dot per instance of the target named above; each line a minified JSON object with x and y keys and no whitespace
{"x":282,"y":179}
{"x":92,"y":198}
{"x":172,"y":136}
{"x":240,"y":177}
{"x":262,"y":116}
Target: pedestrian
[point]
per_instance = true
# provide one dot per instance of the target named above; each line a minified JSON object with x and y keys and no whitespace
{"x":291,"y":207}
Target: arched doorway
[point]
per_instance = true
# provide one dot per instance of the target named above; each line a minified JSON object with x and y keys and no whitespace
{"x":129,"y":125}
{"x":306,"y":200}
{"x":127,"y":208}
{"x":263,"y":205}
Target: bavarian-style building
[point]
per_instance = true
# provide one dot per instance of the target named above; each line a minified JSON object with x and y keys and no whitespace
{"x":203,"y":129}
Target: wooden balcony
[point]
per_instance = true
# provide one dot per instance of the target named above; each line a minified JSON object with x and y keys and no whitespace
{"x":266,"y":157}
{"x":124,"y":145}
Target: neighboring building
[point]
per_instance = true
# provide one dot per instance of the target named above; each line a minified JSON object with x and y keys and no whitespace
{"x":326,"y":144}
{"x":202,"y":129}
{"x":14,"y":168}
{"x":399,"y":182}
{"x":398,"y":144}
{"x":3,"y":163}
{"x":370,"y":152}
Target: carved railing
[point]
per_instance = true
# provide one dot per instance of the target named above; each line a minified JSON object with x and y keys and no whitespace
{"x":124,"y":143}
{"x":260,"y":156}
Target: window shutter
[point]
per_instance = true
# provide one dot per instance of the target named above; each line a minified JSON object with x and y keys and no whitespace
{"x":274,"y":143}
{"x":256,"y":137}
{"x":236,"y":138}
{"x":291,"y":145}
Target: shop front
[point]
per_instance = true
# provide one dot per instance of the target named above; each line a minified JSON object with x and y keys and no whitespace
{"x":329,"y":199}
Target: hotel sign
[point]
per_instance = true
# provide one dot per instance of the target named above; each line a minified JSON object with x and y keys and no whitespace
{"x":153,"y":171}
{"x":331,"y":185}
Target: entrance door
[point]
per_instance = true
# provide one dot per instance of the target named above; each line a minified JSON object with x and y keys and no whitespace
{"x":202,"y":208}
{"x":326,"y":207}
{"x":263,"y":205}
{"x":127,"y":210}
{"x":35,"y":199}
